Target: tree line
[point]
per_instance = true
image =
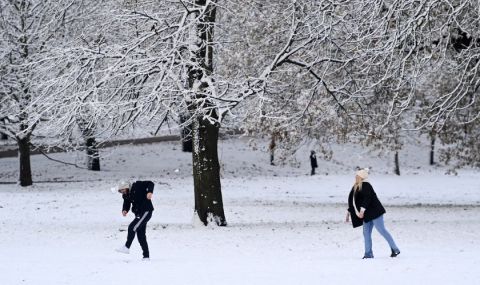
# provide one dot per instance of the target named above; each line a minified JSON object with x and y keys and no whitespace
{"x":362,"y":71}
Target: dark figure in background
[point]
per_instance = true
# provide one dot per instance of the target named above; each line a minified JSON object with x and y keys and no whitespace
{"x":139,"y":196}
{"x":313,"y":161}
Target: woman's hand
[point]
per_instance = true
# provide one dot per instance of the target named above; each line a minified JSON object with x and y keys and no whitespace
{"x":361,"y":214}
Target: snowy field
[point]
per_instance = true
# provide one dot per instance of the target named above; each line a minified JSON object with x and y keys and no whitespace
{"x":285,"y":226}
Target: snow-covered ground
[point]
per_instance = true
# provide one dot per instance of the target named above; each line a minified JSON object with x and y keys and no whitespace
{"x":285,"y":226}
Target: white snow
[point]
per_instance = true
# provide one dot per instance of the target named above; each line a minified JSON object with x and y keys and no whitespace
{"x":285,"y":227}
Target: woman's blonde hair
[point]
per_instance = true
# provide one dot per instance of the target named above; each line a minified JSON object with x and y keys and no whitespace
{"x":360,"y":176}
{"x":357,"y":186}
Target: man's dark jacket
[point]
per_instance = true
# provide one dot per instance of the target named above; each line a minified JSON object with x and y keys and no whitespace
{"x":366,"y":198}
{"x":137,"y":196}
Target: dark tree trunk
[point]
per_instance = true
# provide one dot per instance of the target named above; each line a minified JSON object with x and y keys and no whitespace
{"x":186,"y":134}
{"x":432,"y":149}
{"x":93,"y":157}
{"x":23,"y":140}
{"x":25,"y":167}
{"x":3,"y":136}
{"x":271,"y":148}
{"x":206,"y":168}
{"x":397,"y":164}
{"x":206,"y":173}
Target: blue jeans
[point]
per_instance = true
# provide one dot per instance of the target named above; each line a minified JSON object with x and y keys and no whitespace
{"x":367,"y":235}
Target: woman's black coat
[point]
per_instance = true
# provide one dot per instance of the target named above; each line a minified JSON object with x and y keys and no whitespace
{"x":366,"y":198}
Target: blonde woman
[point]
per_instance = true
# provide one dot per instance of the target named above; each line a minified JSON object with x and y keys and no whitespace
{"x":365,"y":209}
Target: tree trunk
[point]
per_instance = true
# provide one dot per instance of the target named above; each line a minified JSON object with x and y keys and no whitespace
{"x":206,"y":173}
{"x":186,"y":134}
{"x":25,"y":168}
{"x":23,"y":140}
{"x":271,"y":148}
{"x":93,"y":157}
{"x":432,"y":149}
{"x":397,"y":164}
{"x":3,"y":136}
{"x":206,"y":168}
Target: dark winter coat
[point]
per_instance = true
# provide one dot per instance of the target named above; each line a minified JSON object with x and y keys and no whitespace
{"x":313,"y":160}
{"x":137,"y":197}
{"x":366,"y":198}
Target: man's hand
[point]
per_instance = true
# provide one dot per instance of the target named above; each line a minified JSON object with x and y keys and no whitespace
{"x":124,"y":213}
{"x":149,"y":195}
{"x":347,"y":218}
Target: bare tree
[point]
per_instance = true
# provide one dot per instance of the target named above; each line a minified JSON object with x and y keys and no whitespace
{"x":344,"y":52}
{"x":27,"y":29}
{"x":336,"y":68}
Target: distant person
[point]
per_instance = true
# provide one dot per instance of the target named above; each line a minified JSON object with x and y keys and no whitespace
{"x":139,"y":196}
{"x":365,"y":208}
{"x":313,"y":161}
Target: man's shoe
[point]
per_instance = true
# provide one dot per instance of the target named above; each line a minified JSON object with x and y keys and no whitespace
{"x":395,"y":253}
{"x":146,"y":259}
{"x":123,"y":249}
{"x":367,"y":257}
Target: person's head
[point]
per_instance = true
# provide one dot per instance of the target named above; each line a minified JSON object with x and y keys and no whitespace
{"x":123,"y":187}
{"x":312,"y":152}
{"x":360,"y":176}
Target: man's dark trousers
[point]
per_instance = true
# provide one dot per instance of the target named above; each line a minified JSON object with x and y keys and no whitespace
{"x":139,"y":226}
